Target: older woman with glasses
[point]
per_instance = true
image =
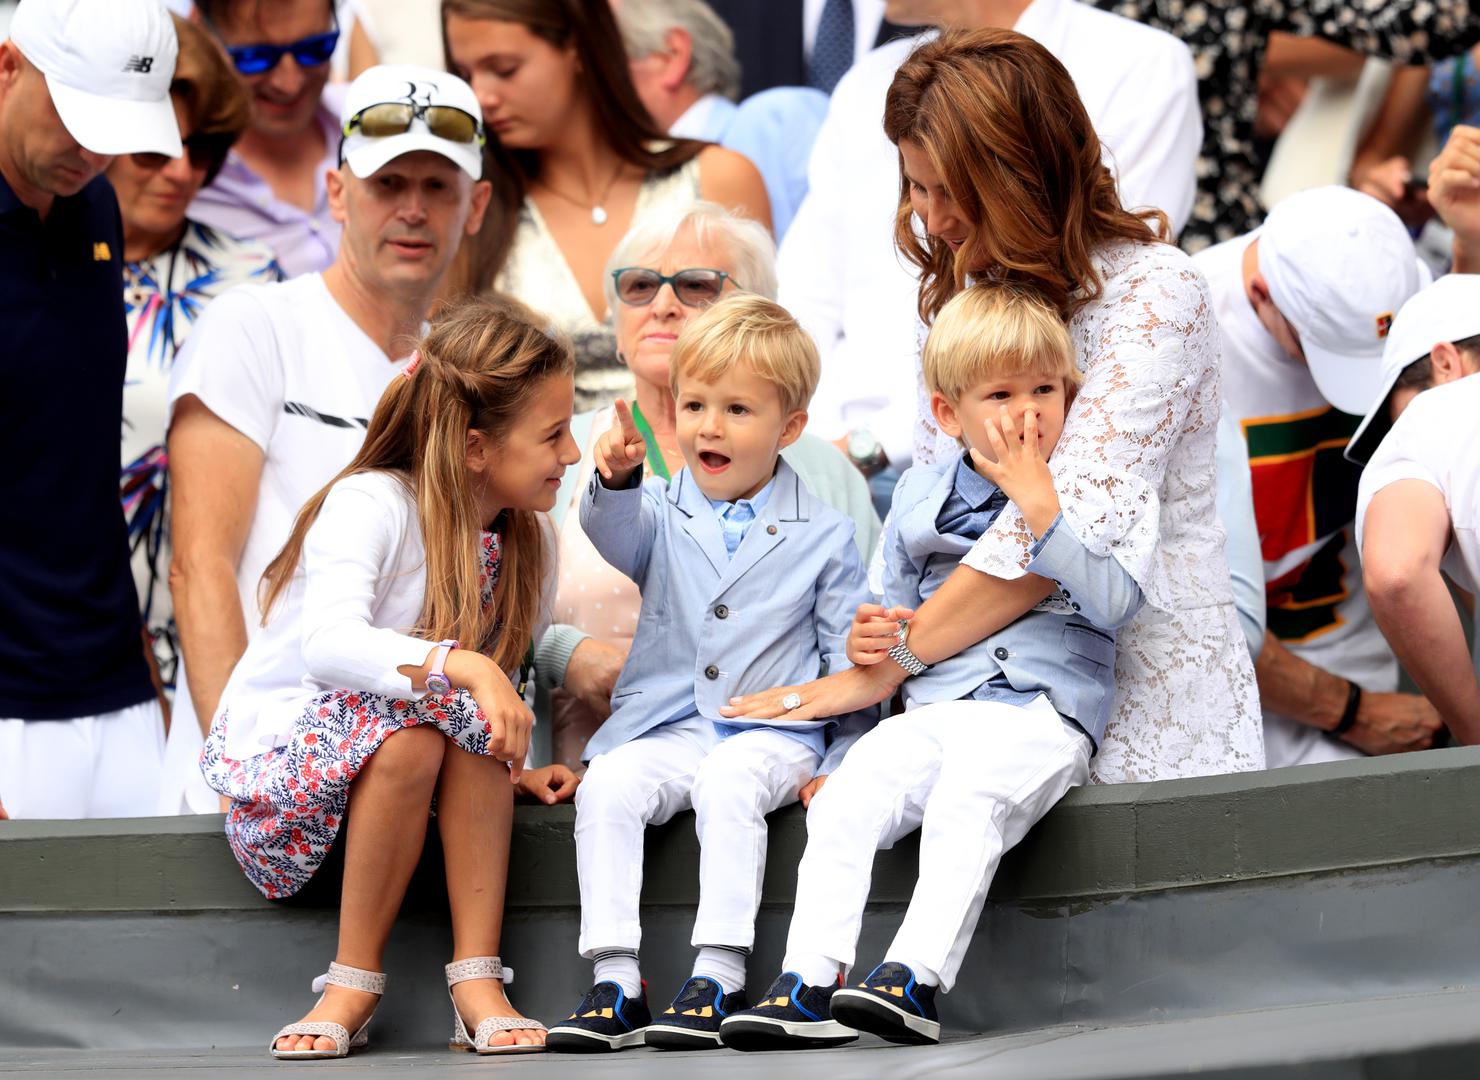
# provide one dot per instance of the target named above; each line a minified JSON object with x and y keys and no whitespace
{"x":666,"y":270}
{"x":173,"y":267}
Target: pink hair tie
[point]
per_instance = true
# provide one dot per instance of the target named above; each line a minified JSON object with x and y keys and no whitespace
{"x":412,"y":364}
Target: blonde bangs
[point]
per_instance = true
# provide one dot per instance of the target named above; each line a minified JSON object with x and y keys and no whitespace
{"x":993,"y":331}
{"x":751,"y":331}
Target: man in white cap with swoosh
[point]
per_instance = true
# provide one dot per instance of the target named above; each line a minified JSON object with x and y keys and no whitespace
{"x":80,"y":726}
{"x":1305,"y":304}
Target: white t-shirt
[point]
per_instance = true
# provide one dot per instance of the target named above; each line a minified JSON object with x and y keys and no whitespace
{"x":1434,"y":441}
{"x":286,"y":366}
{"x":1304,"y":503}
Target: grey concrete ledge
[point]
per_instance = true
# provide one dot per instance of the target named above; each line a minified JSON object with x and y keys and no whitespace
{"x":1100,"y":842}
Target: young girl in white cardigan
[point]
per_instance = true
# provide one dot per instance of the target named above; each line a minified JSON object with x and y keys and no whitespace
{"x":407,"y":593}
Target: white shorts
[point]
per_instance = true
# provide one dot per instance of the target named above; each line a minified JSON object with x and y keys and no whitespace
{"x":88,"y":767}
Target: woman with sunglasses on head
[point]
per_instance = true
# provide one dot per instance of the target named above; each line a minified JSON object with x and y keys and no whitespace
{"x":173,"y":267}
{"x":576,"y":160}
{"x":272,"y":186}
{"x":663,"y":273}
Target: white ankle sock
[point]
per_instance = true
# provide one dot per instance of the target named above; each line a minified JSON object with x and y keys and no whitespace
{"x":620,"y":966}
{"x":923,"y":975}
{"x":724,"y":965}
{"x":814,"y":968}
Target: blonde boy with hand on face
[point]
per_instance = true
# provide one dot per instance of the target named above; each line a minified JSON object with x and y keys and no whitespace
{"x":747,"y":581}
{"x":992,"y":737}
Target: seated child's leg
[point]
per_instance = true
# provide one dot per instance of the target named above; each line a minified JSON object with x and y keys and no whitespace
{"x":743,"y":779}
{"x":1004,"y":767}
{"x":875,"y":797}
{"x":643,"y":782}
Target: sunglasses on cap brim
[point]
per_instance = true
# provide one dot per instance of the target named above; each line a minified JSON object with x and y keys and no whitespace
{"x":395,"y":118}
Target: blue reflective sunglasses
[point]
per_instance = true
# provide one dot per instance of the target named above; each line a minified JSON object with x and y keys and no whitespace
{"x":307,"y":52}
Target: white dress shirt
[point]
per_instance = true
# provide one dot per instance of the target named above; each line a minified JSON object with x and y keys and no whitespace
{"x":840,"y":273}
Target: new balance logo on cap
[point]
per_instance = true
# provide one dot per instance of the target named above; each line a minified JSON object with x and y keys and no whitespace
{"x":142,"y":64}
{"x":1384,"y":324}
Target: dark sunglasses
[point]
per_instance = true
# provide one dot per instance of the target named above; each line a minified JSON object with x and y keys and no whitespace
{"x":394,"y":118}
{"x":695,"y":288}
{"x":205,"y":149}
{"x":307,"y":52}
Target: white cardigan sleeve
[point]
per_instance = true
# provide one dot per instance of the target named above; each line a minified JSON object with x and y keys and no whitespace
{"x":349,"y":560}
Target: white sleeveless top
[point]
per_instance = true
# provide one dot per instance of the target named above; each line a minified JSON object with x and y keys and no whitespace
{"x":537,"y":273}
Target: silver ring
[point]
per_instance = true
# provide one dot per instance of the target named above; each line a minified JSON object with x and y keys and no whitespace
{"x":791,"y":701}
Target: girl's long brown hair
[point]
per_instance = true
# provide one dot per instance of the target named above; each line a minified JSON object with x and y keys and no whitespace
{"x":1001,"y":122}
{"x":590,"y":27}
{"x":481,"y":361}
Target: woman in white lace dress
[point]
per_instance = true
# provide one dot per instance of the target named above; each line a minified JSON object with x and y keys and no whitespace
{"x":1003,"y":170}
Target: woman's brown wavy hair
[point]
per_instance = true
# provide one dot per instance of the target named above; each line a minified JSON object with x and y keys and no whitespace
{"x":590,"y":27}
{"x":481,"y":361}
{"x":1001,"y":122}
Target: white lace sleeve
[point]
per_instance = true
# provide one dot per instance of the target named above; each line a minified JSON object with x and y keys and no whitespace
{"x":1134,"y":471}
{"x":1149,"y":349}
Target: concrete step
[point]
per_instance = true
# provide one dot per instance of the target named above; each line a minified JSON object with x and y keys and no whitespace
{"x":1128,"y":905}
{"x":1432,"y":1035}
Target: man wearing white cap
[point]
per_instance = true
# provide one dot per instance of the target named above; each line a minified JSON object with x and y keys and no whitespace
{"x":1418,"y":506}
{"x":271,"y":395}
{"x":1418,"y":522}
{"x":80,"y":726}
{"x":1435,"y":340}
{"x":1305,"y":304}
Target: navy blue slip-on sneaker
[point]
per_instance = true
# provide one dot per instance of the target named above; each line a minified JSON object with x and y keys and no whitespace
{"x":605,"y":1020}
{"x":792,"y":1016}
{"x":891,"y":1005}
{"x":692,"y":1021}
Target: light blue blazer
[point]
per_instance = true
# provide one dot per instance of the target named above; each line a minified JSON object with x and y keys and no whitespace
{"x":712,"y":627}
{"x":1068,"y":655}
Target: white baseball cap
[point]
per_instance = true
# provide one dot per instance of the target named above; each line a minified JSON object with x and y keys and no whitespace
{"x":422,"y":89}
{"x":108,"y":66}
{"x":1339,"y":265}
{"x":1448,"y":310}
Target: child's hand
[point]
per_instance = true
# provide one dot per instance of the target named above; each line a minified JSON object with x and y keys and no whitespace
{"x":509,"y":720}
{"x":1020,"y":469}
{"x":809,"y":792}
{"x":550,"y":785}
{"x":875,"y":631}
{"x":621,"y":449}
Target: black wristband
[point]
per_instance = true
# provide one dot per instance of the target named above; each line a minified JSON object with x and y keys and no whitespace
{"x":1349,"y":714}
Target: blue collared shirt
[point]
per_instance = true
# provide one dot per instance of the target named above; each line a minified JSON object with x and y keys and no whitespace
{"x":736,"y":518}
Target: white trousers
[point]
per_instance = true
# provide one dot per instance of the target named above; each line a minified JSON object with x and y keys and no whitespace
{"x":88,"y":767}
{"x":732,"y":784}
{"x":974,"y":777}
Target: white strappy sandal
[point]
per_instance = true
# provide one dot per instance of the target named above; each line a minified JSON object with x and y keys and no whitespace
{"x":372,"y":982}
{"x":486,"y":967}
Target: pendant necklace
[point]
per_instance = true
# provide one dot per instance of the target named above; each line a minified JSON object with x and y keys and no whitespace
{"x":599,"y":216}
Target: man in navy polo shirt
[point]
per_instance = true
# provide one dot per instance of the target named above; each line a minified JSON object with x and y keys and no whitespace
{"x":80,"y":727}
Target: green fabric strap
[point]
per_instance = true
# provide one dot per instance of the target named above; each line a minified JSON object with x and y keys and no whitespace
{"x":654,"y":455}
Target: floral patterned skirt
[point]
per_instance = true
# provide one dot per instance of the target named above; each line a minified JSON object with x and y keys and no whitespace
{"x":287,"y":803}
